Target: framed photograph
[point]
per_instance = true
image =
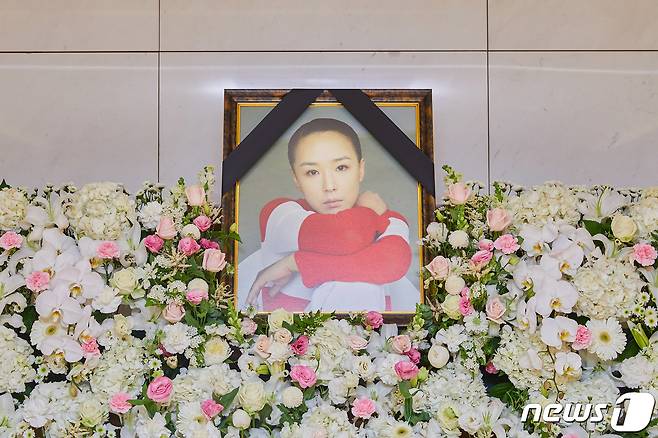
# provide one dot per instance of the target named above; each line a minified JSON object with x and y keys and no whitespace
{"x":329,"y":219}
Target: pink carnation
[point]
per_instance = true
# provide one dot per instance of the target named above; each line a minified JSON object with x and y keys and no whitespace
{"x":202,"y":222}
{"x":160,"y":389}
{"x":374,"y":319}
{"x":644,"y":254}
{"x":465,"y":307}
{"x":108,"y":250}
{"x":486,"y":245}
{"x":37,"y":281}
{"x":507,"y":243}
{"x":153,"y":243}
{"x":363,"y":407}
{"x":11,"y":240}
{"x":303,"y":375}
{"x":300,"y":346}
{"x":209,"y":244}
{"x":413,"y":355}
{"x":583,"y":338}
{"x":119,"y":403}
{"x":491,"y":368}
{"x":195,"y":296}
{"x":90,"y":348}
{"x":188,"y":246}
{"x":211,"y":408}
{"x":406,"y":370}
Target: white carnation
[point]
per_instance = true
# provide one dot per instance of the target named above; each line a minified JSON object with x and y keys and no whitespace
{"x":177,"y":337}
{"x":149,"y":215}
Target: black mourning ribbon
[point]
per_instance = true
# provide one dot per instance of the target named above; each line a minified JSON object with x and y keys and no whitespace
{"x":295,"y":102}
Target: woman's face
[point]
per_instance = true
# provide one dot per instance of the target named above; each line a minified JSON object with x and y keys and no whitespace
{"x":327,"y":171}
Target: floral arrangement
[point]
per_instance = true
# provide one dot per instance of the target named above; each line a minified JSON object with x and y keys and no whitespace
{"x":117,"y":319}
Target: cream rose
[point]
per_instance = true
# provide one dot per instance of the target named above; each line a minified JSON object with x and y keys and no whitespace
{"x":454,"y":284}
{"x":276,"y":318}
{"x":439,"y":267}
{"x":92,"y":413}
{"x":191,"y":230}
{"x":198,"y":283}
{"x":292,"y":397}
{"x":125,"y":281}
{"x":241,"y":419}
{"x":252,"y":395}
{"x":451,"y":306}
{"x":623,"y":228}
{"x":438,"y":356}
{"x":262,"y":346}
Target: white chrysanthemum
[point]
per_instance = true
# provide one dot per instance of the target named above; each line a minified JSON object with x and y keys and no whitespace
{"x":177,"y":337}
{"x":645,"y":213}
{"x":17,"y":359}
{"x":192,"y":422}
{"x":608,"y":339}
{"x":453,"y":337}
{"x":608,"y":287}
{"x":149,"y":215}
{"x":101,"y":211}
{"x":638,"y":371}
{"x":121,"y":368}
{"x":514,"y":346}
{"x":13,"y":206}
{"x":155,"y":427}
{"x":538,"y":205}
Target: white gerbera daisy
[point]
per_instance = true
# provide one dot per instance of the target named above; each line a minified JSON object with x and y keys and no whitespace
{"x":608,"y":340}
{"x":650,"y":317}
{"x":401,"y":430}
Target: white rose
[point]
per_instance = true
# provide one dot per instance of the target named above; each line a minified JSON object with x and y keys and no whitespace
{"x":217,"y":351}
{"x":252,"y":395}
{"x":276,"y":318}
{"x":623,"y":228}
{"x":458,"y":239}
{"x":292,"y":397}
{"x":192,"y":231}
{"x":92,"y":413}
{"x":241,"y":419}
{"x":438,"y":356}
{"x":198,"y":283}
{"x":454,"y":284}
{"x":125,"y":281}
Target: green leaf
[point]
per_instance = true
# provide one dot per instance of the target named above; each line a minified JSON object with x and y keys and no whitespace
{"x":631,"y":349}
{"x":29,"y":316}
{"x":228,"y":398}
{"x":404,"y":389}
{"x":4,"y":185}
{"x":265,"y":412}
{"x":593,"y":227}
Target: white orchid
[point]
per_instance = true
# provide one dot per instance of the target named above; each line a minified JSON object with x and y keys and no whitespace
{"x":45,"y":213}
{"x":568,"y":365}
{"x":87,"y":328}
{"x":530,"y":360}
{"x":56,"y":305}
{"x":63,"y":344}
{"x":555,"y":331}
{"x":80,"y":280}
{"x":133,"y":250}
{"x":555,"y":295}
{"x":565,"y":256}
{"x":651,"y":275}
{"x":536,"y":240}
{"x":57,"y":252}
{"x":526,"y":317}
{"x":107,"y":301}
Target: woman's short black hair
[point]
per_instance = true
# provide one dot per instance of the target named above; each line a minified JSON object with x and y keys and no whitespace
{"x":323,"y":125}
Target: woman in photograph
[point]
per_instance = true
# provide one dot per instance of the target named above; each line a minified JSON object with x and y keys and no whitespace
{"x":335,"y":249}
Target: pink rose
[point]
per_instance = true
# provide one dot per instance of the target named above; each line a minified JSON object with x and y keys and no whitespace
{"x":90,"y":348}
{"x":363,"y":407}
{"x":413,"y":355}
{"x":507,"y":243}
{"x":173,"y":313}
{"x":480,"y":259}
{"x":119,"y":403}
{"x":439,"y":267}
{"x":160,"y":389}
{"x":401,"y":344}
{"x":37,"y":281}
{"x":107,"y":250}
{"x":490,"y":368}
{"x":300,"y":346}
{"x":406,"y":370}
{"x":11,"y":240}
{"x":166,"y":228}
{"x":644,"y":254}
{"x":583,"y":338}
{"x":262,"y":346}
{"x":188,"y":246}
{"x":214,"y":260}
{"x":248,"y":326}
{"x":153,"y":243}
{"x":211,"y":408}
{"x":195,"y":296}
{"x":498,"y":219}
{"x":303,"y":375}
{"x":374,"y":319}
{"x":203,"y":223}
{"x":357,"y":342}
{"x":495,"y":310}
{"x":465,"y":307}
{"x":196,"y":195}
{"x":458,"y":193}
{"x":486,"y":245}
{"x":208,"y":244}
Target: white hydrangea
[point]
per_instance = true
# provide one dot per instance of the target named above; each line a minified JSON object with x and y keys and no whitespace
{"x":17,"y":362}
{"x":328,"y":420}
{"x":13,"y":206}
{"x":514,"y":346}
{"x":121,"y":368}
{"x":101,"y":211}
{"x":149,"y":215}
{"x":330,"y":341}
{"x":51,"y":402}
{"x":453,"y":385}
{"x":549,"y":202}
{"x":645,"y":213}
{"x":191,"y":422}
{"x":594,"y":387}
{"x":608,"y":287}
{"x":200,"y":383}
